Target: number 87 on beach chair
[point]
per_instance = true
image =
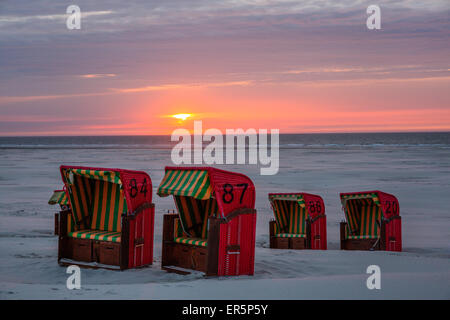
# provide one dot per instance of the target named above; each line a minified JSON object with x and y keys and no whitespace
{"x":300,"y":221}
{"x":213,"y":230}
{"x":109,"y":221}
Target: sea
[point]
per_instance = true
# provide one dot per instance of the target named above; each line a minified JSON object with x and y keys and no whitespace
{"x":325,"y":140}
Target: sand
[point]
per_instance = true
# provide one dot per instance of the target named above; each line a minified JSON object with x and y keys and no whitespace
{"x":418,"y":176}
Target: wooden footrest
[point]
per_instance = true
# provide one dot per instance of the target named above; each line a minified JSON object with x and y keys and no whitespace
{"x":175,"y":269}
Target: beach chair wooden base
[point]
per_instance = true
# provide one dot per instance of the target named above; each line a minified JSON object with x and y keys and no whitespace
{"x":361,"y":244}
{"x":96,"y":253}
{"x":186,"y":257}
{"x":192,"y":257}
{"x":279,"y":243}
{"x":179,"y":256}
{"x":297,"y":243}
{"x":288,"y":243}
{"x":91,"y":251}
{"x":79,"y":249}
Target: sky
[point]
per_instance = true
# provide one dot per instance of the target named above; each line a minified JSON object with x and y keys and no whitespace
{"x":297,"y":66}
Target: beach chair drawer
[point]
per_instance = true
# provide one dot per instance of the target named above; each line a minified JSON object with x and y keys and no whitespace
{"x":184,"y":254}
{"x":81,"y":249}
{"x":363,"y":244}
{"x":199,"y":258}
{"x":297,"y":243}
{"x":281,"y":243}
{"x":107,"y":252}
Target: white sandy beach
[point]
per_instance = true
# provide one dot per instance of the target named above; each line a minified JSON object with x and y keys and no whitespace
{"x":418,"y":176}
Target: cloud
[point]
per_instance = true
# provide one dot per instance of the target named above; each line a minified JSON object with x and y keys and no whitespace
{"x":97,"y":75}
{"x":18,"y":99}
{"x":183,"y":86}
{"x":362,"y":81}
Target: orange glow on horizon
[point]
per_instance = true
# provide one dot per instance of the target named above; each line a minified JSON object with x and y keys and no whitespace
{"x":389,"y":106}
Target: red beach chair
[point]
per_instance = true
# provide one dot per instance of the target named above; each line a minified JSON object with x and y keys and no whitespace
{"x":300,"y":221}
{"x":213,"y":230}
{"x":373,"y":221}
{"x":109,"y":219}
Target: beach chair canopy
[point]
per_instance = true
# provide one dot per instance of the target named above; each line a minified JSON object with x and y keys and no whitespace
{"x":365,"y":210}
{"x":59,"y":197}
{"x":202,"y":192}
{"x":291,"y":210}
{"x":99,"y":196}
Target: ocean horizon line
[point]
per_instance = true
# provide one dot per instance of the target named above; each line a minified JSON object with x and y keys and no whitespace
{"x":281,"y":134}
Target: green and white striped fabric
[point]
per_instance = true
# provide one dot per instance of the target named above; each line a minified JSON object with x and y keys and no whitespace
{"x":192,"y":241}
{"x":109,"y":176}
{"x":96,"y":198}
{"x":188,"y":205}
{"x":368,"y":223}
{"x":191,"y":215}
{"x":372,"y":196}
{"x":194,"y":215}
{"x":297,"y":219}
{"x":288,"y":197}
{"x":187,"y":183}
{"x":96,"y":235}
{"x":80,"y":196}
{"x":290,"y":235}
{"x":290,"y":213}
{"x":363,"y":214}
{"x":107,"y":206}
{"x":59,"y":197}
{"x":358,"y":237}
{"x":178,"y":229}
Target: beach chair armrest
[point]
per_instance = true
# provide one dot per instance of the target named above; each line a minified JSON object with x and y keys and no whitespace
{"x":391,"y":218}
{"x":141,"y":208}
{"x":343,"y":226}
{"x":169,"y":226}
{"x":63,"y":217}
{"x":237,"y":212}
{"x":317,"y":217}
{"x":272,"y":226}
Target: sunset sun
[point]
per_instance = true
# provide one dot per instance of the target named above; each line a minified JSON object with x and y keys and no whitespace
{"x":182,"y":116}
